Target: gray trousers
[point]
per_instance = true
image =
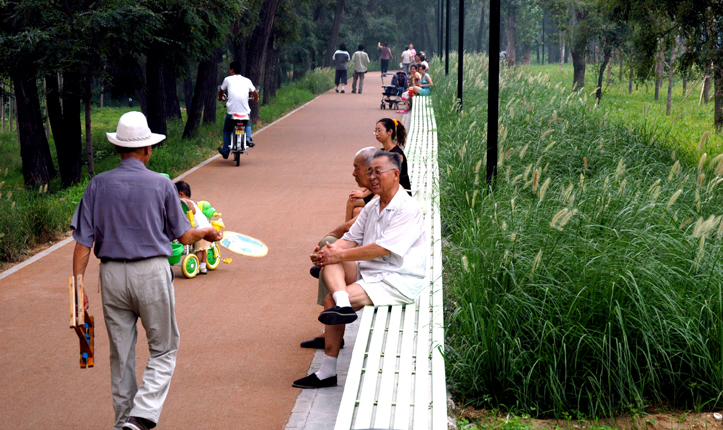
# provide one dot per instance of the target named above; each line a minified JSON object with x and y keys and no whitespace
{"x":142,"y":289}
{"x":360,"y":77}
{"x":323,"y":289}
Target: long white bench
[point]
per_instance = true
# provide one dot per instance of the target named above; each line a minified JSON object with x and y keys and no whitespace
{"x":396,"y":375}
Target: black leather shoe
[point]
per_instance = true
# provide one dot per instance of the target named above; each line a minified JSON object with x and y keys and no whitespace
{"x":250,"y":143}
{"x":317,"y":343}
{"x":135,"y":423}
{"x":338,"y":315}
{"x":313,"y":381}
{"x":220,"y":151}
{"x":315,"y":271}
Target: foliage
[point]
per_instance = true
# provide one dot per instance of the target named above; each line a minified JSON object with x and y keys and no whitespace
{"x":589,"y":282}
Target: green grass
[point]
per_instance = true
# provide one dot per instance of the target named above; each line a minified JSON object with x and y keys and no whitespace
{"x":684,"y":127}
{"x":32,"y":216}
{"x":589,"y":282}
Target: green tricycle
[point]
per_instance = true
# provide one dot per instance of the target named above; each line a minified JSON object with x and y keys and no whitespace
{"x":185,"y":254}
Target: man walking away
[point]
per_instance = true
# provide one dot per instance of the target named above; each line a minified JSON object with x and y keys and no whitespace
{"x":360,"y":60}
{"x":341,"y":57}
{"x":406,"y":60}
{"x":130,"y":215}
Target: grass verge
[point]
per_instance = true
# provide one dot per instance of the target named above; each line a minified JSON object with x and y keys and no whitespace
{"x":35,"y":216}
{"x":589,"y":282}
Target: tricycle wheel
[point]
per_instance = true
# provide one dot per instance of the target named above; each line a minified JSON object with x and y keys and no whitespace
{"x":213,"y":256}
{"x":189,"y":267}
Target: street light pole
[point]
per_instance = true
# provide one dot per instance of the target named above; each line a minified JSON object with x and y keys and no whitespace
{"x":493,"y":92}
{"x":460,"y":56}
{"x":446,"y":42}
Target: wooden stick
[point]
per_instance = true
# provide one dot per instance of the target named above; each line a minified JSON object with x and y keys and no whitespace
{"x":71,"y":288}
{"x":81,"y":302}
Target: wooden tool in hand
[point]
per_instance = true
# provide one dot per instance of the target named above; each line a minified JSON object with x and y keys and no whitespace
{"x":81,"y":321}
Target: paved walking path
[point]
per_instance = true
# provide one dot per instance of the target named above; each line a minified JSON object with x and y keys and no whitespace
{"x":240,"y":325}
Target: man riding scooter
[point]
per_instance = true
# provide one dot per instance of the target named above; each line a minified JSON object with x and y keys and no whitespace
{"x":235,"y":91}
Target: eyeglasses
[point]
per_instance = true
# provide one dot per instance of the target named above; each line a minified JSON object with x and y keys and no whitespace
{"x":377,"y":131}
{"x":376,"y":173}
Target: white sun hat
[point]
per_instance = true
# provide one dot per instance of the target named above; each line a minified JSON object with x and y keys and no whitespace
{"x":133,"y":132}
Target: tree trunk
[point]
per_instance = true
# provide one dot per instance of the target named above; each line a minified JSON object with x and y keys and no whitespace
{"x":511,"y":35}
{"x":578,"y":65}
{"x":659,"y":70}
{"x":334,"y":33}
{"x":526,"y":55}
{"x":670,"y":80}
{"x":607,"y":53}
{"x":156,"y":95}
{"x":188,"y":88}
{"x":630,"y":81}
{"x":718,"y":97}
{"x":34,"y":149}
{"x":622,"y":61}
{"x":272,"y":73}
{"x":73,"y":134}
{"x":173,"y":106}
{"x":211,"y":92}
{"x":194,"y":112}
{"x":706,"y":83}
{"x":257,"y":48}
{"x":609,"y":72}
{"x":69,"y":155}
{"x":88,"y":129}
{"x":481,"y":28}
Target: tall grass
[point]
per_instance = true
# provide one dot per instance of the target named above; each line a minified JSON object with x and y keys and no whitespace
{"x":589,"y":282}
{"x":31,"y":216}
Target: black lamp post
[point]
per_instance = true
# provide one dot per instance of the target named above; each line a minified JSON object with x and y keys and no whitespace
{"x":460,"y":56}
{"x":493,"y":93}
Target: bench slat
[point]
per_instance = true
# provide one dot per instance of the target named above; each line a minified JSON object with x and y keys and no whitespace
{"x":387,"y":387}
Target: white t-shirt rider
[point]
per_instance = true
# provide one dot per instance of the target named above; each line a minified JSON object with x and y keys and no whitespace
{"x":237,"y":87}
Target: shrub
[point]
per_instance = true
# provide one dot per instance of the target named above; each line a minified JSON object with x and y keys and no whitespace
{"x":589,"y":281}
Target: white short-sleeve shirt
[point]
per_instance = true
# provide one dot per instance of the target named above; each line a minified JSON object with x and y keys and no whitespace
{"x":399,"y":227}
{"x":238,"y":88}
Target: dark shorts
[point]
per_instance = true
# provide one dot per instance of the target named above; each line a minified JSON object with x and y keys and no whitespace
{"x":340,"y":76}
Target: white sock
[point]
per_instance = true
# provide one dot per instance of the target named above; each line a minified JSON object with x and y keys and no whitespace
{"x":328,"y":368}
{"x":341,"y":298}
{"x":202,"y":266}
{"x":342,"y":87}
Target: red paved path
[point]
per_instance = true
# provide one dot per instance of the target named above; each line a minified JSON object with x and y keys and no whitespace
{"x":240,"y":325}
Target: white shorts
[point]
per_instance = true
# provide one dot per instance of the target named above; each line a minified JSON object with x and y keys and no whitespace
{"x":383,"y":293}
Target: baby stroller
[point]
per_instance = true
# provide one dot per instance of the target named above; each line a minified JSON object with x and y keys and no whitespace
{"x":392,"y":95}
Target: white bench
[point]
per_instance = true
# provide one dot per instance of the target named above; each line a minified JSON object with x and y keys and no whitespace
{"x":396,"y":376}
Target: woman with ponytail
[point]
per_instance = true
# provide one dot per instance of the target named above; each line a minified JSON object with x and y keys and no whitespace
{"x":392,"y":135}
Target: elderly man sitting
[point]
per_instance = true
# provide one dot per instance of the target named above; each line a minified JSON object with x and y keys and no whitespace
{"x":381,"y":261}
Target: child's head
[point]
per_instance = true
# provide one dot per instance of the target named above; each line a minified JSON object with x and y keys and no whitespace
{"x":184,"y":190}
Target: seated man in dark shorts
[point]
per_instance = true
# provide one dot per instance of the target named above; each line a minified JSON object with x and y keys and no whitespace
{"x":381,"y":260}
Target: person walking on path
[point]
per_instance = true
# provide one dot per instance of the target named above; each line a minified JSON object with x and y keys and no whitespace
{"x":380,"y":261}
{"x":235,"y":91}
{"x":133,"y":243}
{"x":406,"y":60}
{"x":385,"y":57}
{"x":341,"y":57}
{"x":361,"y":61}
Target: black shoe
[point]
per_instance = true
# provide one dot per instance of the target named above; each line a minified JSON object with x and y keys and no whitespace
{"x":359,"y":91}
{"x":317,"y":343}
{"x":342,"y":91}
{"x":313,"y":381}
{"x":336,"y":89}
{"x":136,"y":423}
{"x":220,"y":151}
{"x":250,"y":142}
{"x":353,"y":91}
{"x":315,"y":271}
{"x":338,"y":315}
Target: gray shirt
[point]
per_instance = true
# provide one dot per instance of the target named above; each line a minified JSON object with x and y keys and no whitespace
{"x":129,"y":213}
{"x":340,"y":59}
